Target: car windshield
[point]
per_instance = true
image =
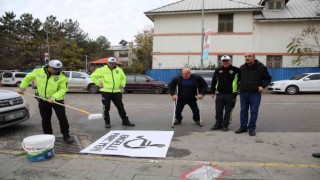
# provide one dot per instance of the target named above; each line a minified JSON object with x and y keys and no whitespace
{"x":149,"y":78}
{"x":85,"y":74}
{"x":297,"y":77}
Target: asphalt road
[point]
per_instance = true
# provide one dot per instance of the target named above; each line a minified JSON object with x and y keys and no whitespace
{"x":285,"y":120}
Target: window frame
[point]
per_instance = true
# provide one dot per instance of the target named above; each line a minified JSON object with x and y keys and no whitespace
{"x":223,"y":23}
{"x":273,"y":58}
{"x":275,"y":4}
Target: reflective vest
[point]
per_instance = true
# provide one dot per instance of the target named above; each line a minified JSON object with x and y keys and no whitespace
{"x":111,"y":79}
{"x":48,"y":85}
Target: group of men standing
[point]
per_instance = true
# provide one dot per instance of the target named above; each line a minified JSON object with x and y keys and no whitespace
{"x":250,"y":79}
{"x":185,"y":89}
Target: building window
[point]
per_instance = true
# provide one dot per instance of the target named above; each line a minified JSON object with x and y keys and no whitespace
{"x":219,"y":64}
{"x":225,"y":23}
{"x":123,"y":53}
{"x":275,"y":4}
{"x":274,"y":61}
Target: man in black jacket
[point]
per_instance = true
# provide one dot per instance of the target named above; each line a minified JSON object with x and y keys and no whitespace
{"x":224,"y":86}
{"x":189,"y":88}
{"x":254,"y":78}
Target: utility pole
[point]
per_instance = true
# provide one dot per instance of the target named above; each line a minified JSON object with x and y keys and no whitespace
{"x":130,"y":54}
{"x":202,"y":33}
{"x":48,"y":46}
{"x":86,"y":63}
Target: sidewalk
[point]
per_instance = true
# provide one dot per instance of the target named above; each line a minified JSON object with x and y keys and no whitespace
{"x":14,"y":165}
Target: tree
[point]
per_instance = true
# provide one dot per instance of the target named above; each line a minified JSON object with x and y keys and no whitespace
{"x":70,"y":57}
{"x":143,"y":52}
{"x":24,"y":41}
{"x":306,"y":44}
{"x":8,"y":41}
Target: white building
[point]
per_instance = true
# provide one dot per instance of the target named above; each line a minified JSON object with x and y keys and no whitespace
{"x":238,"y":26}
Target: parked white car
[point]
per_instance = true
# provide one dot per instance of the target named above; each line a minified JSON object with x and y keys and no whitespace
{"x":78,"y":81}
{"x":306,"y":82}
{"x":12,"y":78}
{"x":13,"y":108}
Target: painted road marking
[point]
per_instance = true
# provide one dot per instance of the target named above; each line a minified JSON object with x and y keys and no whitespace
{"x":204,"y":172}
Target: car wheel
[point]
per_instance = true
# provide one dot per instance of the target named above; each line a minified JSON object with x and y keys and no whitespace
{"x":93,"y":89}
{"x":157,"y":90}
{"x":18,"y":84}
{"x":292,"y":90}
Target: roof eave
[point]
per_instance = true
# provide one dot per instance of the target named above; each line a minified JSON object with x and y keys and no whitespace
{"x":150,"y":15}
{"x":287,"y":19}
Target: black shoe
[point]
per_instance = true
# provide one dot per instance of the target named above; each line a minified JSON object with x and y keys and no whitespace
{"x":68,"y":139}
{"x":240,"y":130}
{"x":198,"y":123}
{"x":252,"y":132}
{"x":225,"y":129}
{"x":107,"y":126}
{"x":128,"y":124}
{"x":177,"y":122}
{"x":316,"y":155}
{"x":216,"y":127}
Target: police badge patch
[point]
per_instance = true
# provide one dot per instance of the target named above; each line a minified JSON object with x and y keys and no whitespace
{"x":56,"y":78}
{"x":117,"y":71}
{"x":231,"y":71}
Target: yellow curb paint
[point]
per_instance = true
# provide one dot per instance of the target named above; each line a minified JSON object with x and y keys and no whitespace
{"x":214,"y":163}
{"x":239,"y":164}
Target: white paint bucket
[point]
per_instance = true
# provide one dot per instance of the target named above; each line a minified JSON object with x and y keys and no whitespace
{"x":39,"y":147}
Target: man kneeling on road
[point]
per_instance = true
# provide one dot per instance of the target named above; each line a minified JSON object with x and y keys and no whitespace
{"x":186,"y":89}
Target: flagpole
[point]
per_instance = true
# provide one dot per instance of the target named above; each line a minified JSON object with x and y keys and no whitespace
{"x":202,"y":32}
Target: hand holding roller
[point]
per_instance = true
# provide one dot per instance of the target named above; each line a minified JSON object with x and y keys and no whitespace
{"x":90,"y":115}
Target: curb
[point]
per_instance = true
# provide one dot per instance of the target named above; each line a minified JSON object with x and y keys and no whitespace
{"x":172,"y":161}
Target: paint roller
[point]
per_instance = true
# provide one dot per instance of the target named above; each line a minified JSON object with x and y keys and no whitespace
{"x":90,"y":115}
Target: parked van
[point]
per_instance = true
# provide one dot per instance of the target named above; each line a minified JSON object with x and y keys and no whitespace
{"x":12,"y":78}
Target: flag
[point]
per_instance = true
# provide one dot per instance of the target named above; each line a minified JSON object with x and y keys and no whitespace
{"x":206,"y":43}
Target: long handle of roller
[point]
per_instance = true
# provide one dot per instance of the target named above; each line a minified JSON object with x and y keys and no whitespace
{"x":174,"y":108}
{"x":80,"y":110}
{"x":199,"y":106}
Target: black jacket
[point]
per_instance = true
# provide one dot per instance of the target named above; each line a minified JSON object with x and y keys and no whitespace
{"x":254,"y":76}
{"x":190,"y":92}
{"x":225,"y":80}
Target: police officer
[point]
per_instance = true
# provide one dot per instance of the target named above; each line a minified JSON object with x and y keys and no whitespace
{"x":224,"y":86}
{"x":111,"y":81}
{"x":51,"y":85}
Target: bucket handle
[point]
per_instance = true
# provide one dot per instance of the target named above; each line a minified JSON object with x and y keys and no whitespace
{"x":22,"y":144}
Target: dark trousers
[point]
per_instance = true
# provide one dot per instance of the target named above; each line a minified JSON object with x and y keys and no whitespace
{"x":249,"y":100}
{"x":226,"y":103}
{"x":116,"y":98}
{"x":46,"y":114}
{"x":192,"y":104}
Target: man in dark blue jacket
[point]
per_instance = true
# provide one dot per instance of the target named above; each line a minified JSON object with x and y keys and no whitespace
{"x":224,"y":87}
{"x":189,"y":88}
{"x":254,"y":78}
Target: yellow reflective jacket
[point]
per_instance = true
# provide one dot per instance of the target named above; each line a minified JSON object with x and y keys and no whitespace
{"x":112,"y":80}
{"x":48,"y":85}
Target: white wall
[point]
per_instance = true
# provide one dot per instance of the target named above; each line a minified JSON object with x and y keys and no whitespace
{"x":172,"y":50}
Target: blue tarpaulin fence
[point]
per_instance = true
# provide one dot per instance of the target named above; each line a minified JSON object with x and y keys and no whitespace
{"x":287,"y":73}
{"x":164,"y":75}
{"x":277,"y":73}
